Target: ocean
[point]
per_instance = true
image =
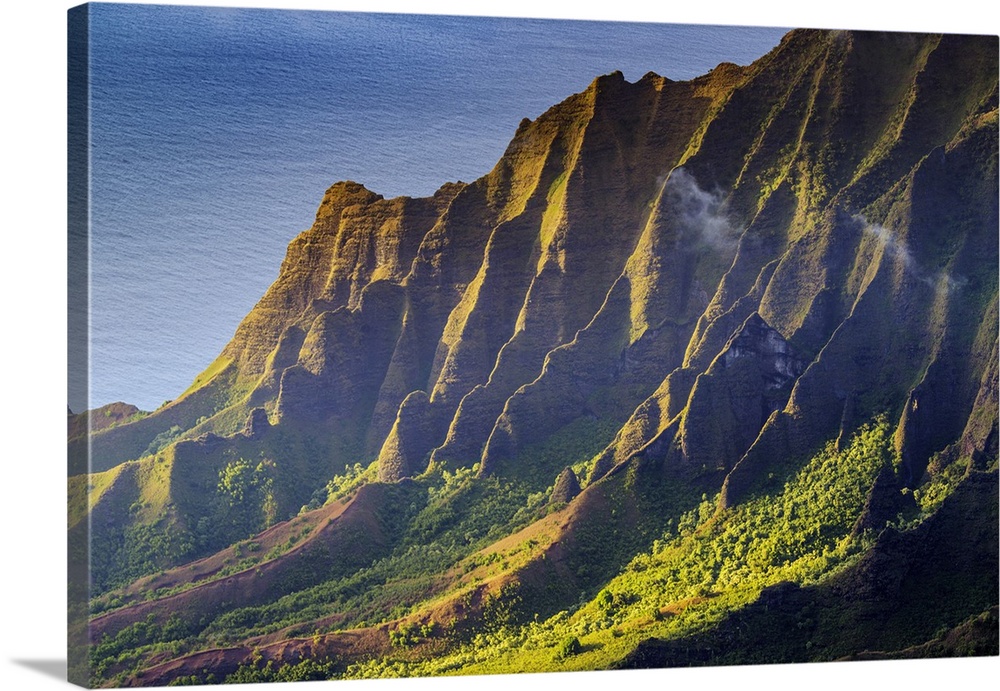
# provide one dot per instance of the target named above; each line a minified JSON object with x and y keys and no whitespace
{"x":216,"y":131}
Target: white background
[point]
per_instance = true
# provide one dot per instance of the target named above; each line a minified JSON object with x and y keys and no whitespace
{"x":33,"y":335}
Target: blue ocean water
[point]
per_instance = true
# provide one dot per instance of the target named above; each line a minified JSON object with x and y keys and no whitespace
{"x":215,"y":132}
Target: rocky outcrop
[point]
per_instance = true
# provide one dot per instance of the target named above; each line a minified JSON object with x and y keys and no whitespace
{"x":768,"y":349}
{"x":604,"y":276}
{"x":732,"y":401}
{"x":257,"y":424}
{"x":678,"y":290}
{"x":566,"y":488}
{"x":712,"y":278}
{"x":979,"y":439}
{"x":409,"y":444}
{"x":885,"y":503}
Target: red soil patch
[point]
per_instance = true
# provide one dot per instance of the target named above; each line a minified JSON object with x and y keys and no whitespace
{"x":342,"y":533}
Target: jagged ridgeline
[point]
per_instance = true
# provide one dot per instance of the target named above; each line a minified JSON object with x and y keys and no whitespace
{"x":700,"y":372}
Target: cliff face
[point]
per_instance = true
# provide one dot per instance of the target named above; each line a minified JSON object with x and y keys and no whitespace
{"x":699,"y":282}
{"x":840,"y":189}
{"x":467,"y":290}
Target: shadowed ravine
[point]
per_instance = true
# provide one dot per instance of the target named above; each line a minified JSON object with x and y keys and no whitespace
{"x":700,"y":372}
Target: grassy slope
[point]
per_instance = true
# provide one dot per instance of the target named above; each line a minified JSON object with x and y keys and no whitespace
{"x":463,"y":564}
{"x":703,"y":567}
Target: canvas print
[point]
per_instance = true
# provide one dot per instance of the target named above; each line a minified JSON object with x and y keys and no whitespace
{"x":423,"y":345}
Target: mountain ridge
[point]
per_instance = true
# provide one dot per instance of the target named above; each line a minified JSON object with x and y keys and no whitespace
{"x":667,"y":304}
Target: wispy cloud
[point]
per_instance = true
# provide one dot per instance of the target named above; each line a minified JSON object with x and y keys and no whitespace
{"x":941,"y":281}
{"x":701,"y":215}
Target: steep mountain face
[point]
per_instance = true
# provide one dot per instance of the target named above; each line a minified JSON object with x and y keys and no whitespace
{"x":665,"y":301}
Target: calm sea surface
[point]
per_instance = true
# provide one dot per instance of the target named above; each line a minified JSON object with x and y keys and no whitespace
{"x":217,"y":130}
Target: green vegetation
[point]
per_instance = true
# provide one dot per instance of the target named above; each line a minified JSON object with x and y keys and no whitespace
{"x":437,"y":522}
{"x":575,"y":445}
{"x":352,"y":478}
{"x":942,"y":483}
{"x":258,"y":671}
{"x":568,"y":648}
{"x":408,"y":635}
{"x":807,"y":467}
{"x":341,"y":486}
{"x":114,"y":657}
{"x":247,"y":496}
{"x":163,"y":439}
{"x":458,"y":515}
{"x":704,"y":567}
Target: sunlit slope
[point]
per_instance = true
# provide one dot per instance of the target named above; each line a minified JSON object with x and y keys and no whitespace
{"x":691,"y":349}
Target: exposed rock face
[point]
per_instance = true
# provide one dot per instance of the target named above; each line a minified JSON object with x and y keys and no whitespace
{"x":405,"y":451}
{"x":357,"y":238}
{"x":773,"y":356}
{"x":885,"y":503}
{"x":979,"y":439}
{"x":257,"y":424}
{"x":566,"y":488}
{"x":732,"y":401}
{"x":713,"y":276}
{"x":685,"y":289}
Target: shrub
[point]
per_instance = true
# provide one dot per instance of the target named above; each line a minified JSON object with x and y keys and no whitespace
{"x":568,"y":648}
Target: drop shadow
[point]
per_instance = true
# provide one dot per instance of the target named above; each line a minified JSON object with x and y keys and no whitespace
{"x":50,"y":668}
